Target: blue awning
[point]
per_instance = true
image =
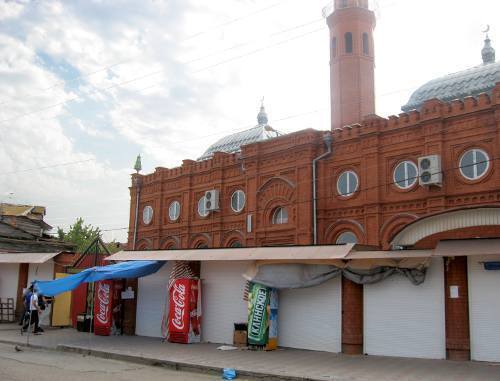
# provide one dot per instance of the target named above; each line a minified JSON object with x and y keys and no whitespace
{"x":492,"y":265}
{"x":134,"y":269}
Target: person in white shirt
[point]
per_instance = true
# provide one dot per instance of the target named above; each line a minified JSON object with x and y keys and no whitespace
{"x":34,"y":310}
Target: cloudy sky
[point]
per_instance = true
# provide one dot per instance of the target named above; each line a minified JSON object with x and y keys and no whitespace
{"x":87,"y":85}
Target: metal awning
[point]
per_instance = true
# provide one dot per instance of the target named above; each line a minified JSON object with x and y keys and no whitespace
{"x":467,"y":247}
{"x":390,"y":254}
{"x":239,"y":254}
{"x":26,"y":257}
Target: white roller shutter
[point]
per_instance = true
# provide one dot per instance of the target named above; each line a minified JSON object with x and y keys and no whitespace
{"x":222,"y":300}
{"x":9,"y":275}
{"x":151,"y":299}
{"x":40,"y":271}
{"x":484,"y":310}
{"x":404,"y":320}
{"x":311,"y":318}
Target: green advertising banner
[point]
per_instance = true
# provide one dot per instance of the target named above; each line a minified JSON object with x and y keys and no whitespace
{"x":258,"y":301}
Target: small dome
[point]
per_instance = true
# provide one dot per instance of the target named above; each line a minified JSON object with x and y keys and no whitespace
{"x":470,"y":82}
{"x":233,"y":143}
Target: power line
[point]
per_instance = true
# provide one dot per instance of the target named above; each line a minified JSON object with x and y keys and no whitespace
{"x":47,"y":167}
{"x":107,"y":67}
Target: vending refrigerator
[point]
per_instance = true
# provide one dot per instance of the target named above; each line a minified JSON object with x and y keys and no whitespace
{"x":184,"y":317}
{"x":107,"y":307}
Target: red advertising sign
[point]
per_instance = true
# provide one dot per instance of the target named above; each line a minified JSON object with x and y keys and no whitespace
{"x":103,"y":307}
{"x":180,"y":293}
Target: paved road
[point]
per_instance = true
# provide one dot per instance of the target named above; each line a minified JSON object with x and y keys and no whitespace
{"x":39,"y":365}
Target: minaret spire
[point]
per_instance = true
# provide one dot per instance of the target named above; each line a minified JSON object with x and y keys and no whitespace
{"x":262,"y":118}
{"x":488,"y":52}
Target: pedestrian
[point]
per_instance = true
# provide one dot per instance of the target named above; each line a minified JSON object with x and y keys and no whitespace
{"x":26,"y":302}
{"x":34,"y":310}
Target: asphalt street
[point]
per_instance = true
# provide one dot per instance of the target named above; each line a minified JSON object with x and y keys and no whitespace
{"x":33,"y":364}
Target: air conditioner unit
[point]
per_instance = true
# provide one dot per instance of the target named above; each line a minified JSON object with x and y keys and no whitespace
{"x":429,"y":170}
{"x":212,"y":200}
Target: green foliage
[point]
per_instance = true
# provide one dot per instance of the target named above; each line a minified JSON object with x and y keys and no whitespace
{"x":114,"y":247}
{"x":79,"y":234}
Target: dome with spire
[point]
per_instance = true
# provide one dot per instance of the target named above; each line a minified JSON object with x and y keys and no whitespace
{"x":470,"y":82}
{"x":233,"y":143}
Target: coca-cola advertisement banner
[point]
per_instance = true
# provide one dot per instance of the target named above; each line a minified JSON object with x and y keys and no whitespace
{"x":103,"y":307}
{"x":180,"y":293}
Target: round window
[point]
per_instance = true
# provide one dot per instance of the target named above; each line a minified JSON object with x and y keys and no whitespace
{"x":280,"y":216}
{"x":174,"y":210}
{"x":202,"y":209}
{"x":147,"y":215}
{"x":347,"y":183}
{"x":405,"y":174}
{"x":238,"y":201}
{"x":347,"y":237}
{"x":474,"y":164}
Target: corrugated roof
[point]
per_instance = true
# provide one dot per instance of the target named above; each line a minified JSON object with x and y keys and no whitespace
{"x":232,"y":143}
{"x":21,"y":210}
{"x":238,"y":254}
{"x":26,"y":257}
{"x":470,"y":82}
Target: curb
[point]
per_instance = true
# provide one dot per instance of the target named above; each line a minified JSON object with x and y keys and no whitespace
{"x":175,"y":365}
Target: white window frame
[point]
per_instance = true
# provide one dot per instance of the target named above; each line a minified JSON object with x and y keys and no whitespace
{"x":349,"y":191}
{"x":174,"y":207}
{"x":240,"y":197}
{"x":280,"y":216}
{"x":147,"y":218}
{"x":202,"y":212}
{"x":407,"y":181}
{"x":474,"y":166}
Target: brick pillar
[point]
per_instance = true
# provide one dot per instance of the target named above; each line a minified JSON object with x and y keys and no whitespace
{"x":22,"y":282}
{"x":457,"y":309}
{"x":129,"y":308}
{"x":352,"y":317}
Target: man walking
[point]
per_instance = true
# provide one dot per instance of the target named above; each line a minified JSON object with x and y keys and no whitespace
{"x":34,"y":310}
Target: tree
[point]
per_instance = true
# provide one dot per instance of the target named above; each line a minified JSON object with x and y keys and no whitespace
{"x":79,"y":234}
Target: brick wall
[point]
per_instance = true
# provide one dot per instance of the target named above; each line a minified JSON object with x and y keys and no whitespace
{"x":352,"y":317}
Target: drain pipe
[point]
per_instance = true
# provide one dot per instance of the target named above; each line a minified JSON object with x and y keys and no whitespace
{"x":327,"y":139}
{"x":137,"y":183}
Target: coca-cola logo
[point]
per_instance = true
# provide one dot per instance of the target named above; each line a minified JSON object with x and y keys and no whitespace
{"x":103,"y":299}
{"x":179,"y":299}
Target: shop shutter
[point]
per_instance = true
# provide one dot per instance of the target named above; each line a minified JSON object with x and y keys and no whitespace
{"x":222,"y":300}
{"x":151,"y":299}
{"x":310,"y":318}
{"x":9,"y":275}
{"x":404,"y":320}
{"x":484,"y":310}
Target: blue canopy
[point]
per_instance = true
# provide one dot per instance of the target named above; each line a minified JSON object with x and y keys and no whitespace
{"x":492,"y":265}
{"x":133,"y":269}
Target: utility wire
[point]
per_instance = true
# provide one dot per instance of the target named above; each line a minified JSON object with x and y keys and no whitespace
{"x":47,"y":167}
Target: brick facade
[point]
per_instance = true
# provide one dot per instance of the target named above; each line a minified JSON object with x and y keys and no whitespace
{"x":277,"y":173}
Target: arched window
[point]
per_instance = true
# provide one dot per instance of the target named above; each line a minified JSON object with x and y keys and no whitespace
{"x":236,"y":244}
{"x":280,"y":216}
{"x":202,"y":245}
{"x":348,"y":42}
{"x":346,"y":237}
{"x":366,"y":44}
{"x":334,"y":47}
{"x":474,"y":164}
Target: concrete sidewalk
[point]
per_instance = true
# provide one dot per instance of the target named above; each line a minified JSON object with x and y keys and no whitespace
{"x":282,"y":364}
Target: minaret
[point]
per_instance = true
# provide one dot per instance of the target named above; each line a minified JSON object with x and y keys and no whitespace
{"x":352,"y":62}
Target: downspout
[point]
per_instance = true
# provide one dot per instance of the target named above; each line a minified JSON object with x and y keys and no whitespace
{"x":327,"y":139}
{"x":137,"y":183}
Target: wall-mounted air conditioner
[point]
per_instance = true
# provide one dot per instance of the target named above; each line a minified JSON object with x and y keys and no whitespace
{"x":429,"y":170}
{"x":212,"y":200}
